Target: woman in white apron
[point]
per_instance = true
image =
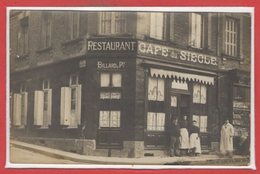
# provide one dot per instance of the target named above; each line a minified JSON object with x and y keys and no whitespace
{"x":195,"y":139}
{"x":184,"y":136}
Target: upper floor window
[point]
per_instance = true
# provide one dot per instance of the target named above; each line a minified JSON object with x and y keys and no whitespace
{"x":231,"y":37}
{"x":196,"y":36}
{"x":112,"y":22}
{"x":156,"y":25}
{"x":74,"y":20}
{"x":23,"y":36}
{"x":46,"y":30}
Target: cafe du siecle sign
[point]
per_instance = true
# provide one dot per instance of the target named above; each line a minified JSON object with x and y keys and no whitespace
{"x":99,"y":46}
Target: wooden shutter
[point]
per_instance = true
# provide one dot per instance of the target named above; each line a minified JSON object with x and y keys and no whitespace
{"x":65,"y":106}
{"x":49,"y":111}
{"x":17,"y":110}
{"x":38,"y":108}
{"x":24,"y":109}
{"x":78,"y":116}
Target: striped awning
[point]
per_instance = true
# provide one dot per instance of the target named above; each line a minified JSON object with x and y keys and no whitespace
{"x":182,"y":76}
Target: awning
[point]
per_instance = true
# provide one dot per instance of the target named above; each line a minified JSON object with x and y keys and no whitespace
{"x":182,"y":76}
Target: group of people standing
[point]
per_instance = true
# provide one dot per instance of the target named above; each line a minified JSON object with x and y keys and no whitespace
{"x":185,"y":140}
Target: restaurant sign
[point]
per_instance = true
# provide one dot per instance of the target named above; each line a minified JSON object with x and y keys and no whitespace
{"x":111,"y":44}
{"x":156,"y":50}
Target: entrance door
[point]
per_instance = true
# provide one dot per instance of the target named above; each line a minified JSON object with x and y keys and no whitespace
{"x":179,"y":106}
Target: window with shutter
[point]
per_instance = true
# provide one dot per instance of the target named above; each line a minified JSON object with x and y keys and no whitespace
{"x":38,"y":108}
{"x":196,"y":30}
{"x":112,"y":23}
{"x":156,"y":25}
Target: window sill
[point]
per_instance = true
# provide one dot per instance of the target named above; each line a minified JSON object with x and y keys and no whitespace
{"x":72,"y":41}
{"x":42,"y":50}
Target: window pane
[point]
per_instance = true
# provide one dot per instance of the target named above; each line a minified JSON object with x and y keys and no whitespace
{"x":152,"y":89}
{"x":74,"y":80}
{"x":196,"y":93}
{"x":45,"y":101}
{"x":73,"y":99}
{"x":203,"y":94}
{"x":104,"y":119}
{"x":196,"y":31}
{"x":173,"y":101}
{"x":116,"y":80}
{"x":203,"y":123}
{"x":151,"y":120}
{"x":156,"y":25}
{"x":105,"y":95}
{"x":160,"y":92}
{"x":104,"y":80}
{"x":197,"y":119}
{"x":115,"y":95}
{"x":160,"y":121}
{"x":115,"y":119}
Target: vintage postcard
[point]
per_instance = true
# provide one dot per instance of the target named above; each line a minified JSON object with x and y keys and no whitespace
{"x":130,"y":87}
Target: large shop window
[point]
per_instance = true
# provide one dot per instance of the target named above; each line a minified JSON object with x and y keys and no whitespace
{"x":202,"y":122}
{"x":196,"y":30}
{"x":231,"y":37}
{"x":23,"y":36}
{"x":110,"y":95}
{"x":46,"y":30}
{"x":199,"y":93}
{"x":156,"y":89}
{"x":70,"y":114}
{"x":20,"y":105}
{"x":155,"y":115}
{"x":74,"y":21}
{"x":156,"y":25}
{"x":110,"y":84}
{"x":43,"y":105}
{"x":112,"y":23}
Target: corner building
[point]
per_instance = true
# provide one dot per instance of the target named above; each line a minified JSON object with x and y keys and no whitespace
{"x":109,"y":83}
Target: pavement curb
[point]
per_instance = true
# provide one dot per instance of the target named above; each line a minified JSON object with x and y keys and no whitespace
{"x":55,"y":153}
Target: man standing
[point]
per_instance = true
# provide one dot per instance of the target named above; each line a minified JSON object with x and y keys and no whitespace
{"x":174,"y":138}
{"x":226,"y":139}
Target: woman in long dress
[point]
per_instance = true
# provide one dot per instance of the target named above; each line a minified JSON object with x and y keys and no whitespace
{"x":195,"y":139}
{"x":184,"y":136}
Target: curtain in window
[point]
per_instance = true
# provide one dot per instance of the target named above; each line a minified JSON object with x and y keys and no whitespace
{"x":151,"y":120}
{"x":104,"y":118}
{"x":104,"y":80}
{"x":156,"y":25}
{"x":152,"y":89}
{"x":116,"y":80}
{"x":115,"y":119}
{"x":160,"y":121}
{"x":196,"y":30}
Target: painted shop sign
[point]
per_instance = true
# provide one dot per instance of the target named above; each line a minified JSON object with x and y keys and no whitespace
{"x":111,"y":65}
{"x":150,"y":49}
{"x":111,"y":45}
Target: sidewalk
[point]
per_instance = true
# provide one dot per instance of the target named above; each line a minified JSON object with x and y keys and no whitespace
{"x":203,"y":159}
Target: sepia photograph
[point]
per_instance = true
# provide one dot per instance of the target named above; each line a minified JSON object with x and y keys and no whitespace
{"x":130,"y":87}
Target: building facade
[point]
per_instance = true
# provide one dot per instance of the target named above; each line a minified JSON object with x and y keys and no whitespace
{"x":109,"y":83}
